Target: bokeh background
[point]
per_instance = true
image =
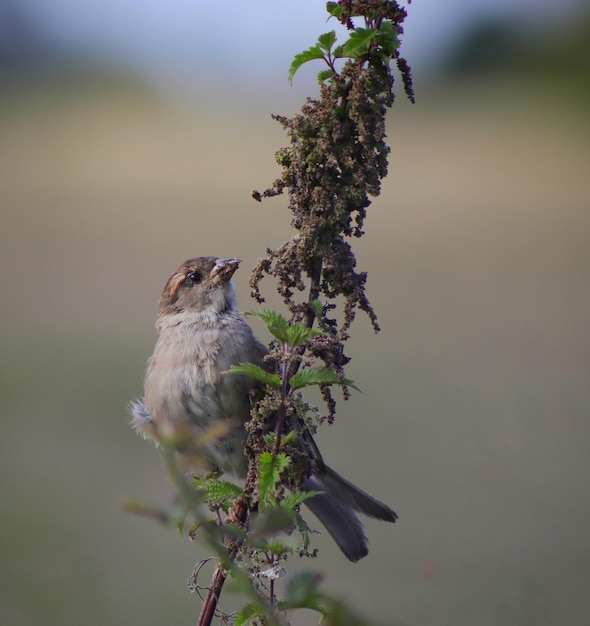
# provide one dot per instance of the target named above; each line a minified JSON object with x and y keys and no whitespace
{"x":131,"y":136}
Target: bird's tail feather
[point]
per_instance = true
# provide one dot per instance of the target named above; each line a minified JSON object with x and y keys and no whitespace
{"x":353,"y":496}
{"x":335,"y":508}
{"x":339,"y":520}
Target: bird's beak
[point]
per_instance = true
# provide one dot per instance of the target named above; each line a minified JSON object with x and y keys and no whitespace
{"x":223,"y":270}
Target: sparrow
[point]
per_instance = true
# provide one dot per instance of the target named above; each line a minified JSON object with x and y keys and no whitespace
{"x":187,"y":386}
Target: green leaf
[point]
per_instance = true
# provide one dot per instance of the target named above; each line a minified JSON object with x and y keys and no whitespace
{"x":226,"y":531}
{"x":272,"y":521}
{"x":294,"y":499}
{"x":359,"y":42}
{"x":280,"y":328}
{"x":324,"y":75}
{"x":387,"y":38}
{"x":303,"y":529}
{"x":338,"y":52}
{"x":180,"y":524}
{"x":302,"y":584}
{"x":291,"y":437}
{"x":148,"y":510}
{"x":298,"y":334}
{"x":315,"y":305}
{"x":318,"y":376}
{"x":334,"y":9}
{"x":350,"y":383}
{"x":327,"y":40}
{"x":302,"y":592}
{"x":192,"y":531}
{"x":220,"y":490}
{"x":256,"y":372}
{"x":270,"y":468}
{"x":248,"y":612}
{"x":275,"y":322}
{"x":278,"y":548}
{"x":315,"y":52}
{"x":341,"y":614}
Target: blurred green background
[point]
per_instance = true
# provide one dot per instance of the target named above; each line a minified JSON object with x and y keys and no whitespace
{"x":474,"y":421}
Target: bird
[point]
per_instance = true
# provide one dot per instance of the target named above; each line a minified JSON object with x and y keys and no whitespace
{"x":187,"y":386}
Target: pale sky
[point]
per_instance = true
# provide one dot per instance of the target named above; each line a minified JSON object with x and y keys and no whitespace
{"x":237,"y":38}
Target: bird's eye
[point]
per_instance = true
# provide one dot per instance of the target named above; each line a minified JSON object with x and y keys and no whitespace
{"x":194,"y":278}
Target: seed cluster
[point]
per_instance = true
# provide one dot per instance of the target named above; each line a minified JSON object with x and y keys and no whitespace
{"x":335,"y":160}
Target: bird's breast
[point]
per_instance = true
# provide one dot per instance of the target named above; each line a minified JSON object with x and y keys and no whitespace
{"x":187,"y":375}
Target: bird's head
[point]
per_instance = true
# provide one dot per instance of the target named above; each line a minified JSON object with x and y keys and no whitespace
{"x":200,"y":285}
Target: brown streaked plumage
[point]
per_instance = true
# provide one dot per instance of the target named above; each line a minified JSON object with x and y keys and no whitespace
{"x":187,"y":387}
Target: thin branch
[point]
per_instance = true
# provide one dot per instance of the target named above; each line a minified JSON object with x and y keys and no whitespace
{"x":210,"y":603}
{"x":239,"y":515}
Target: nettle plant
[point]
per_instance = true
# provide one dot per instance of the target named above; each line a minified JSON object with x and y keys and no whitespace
{"x":334,"y":162}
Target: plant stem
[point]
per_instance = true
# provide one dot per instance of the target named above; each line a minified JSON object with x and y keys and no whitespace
{"x":210,"y":603}
{"x":240,"y":513}
{"x":285,"y":377}
{"x":272,"y":584}
{"x":315,"y":274}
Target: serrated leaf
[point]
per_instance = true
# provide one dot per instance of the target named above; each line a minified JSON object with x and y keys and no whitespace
{"x":287,"y":439}
{"x":315,"y":52}
{"x":302,"y":583}
{"x":278,"y":548}
{"x":313,"y":376}
{"x":256,"y":372}
{"x":358,"y":42}
{"x":324,"y":75}
{"x":327,"y":40}
{"x":227,"y":531}
{"x":318,"y":376}
{"x":314,"y":603}
{"x":334,"y":9}
{"x":248,"y":612}
{"x":292,"y":500}
{"x":279,"y":461}
{"x":387,"y":38}
{"x":220,"y":490}
{"x":272,"y":521}
{"x":338,"y":52}
{"x":350,"y":383}
{"x":302,"y":592}
{"x":297,"y":334}
{"x":270,"y":468}
{"x":275,"y":322}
